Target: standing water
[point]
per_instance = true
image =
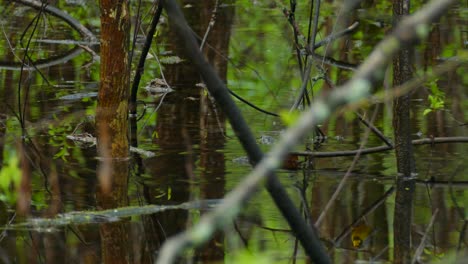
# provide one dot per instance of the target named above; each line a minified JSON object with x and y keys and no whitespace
{"x":185,"y":155}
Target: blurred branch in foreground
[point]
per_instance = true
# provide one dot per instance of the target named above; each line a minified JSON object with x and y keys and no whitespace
{"x":410,"y":30}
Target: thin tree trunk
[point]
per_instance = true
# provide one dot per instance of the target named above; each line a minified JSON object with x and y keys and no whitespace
{"x":402,"y":73}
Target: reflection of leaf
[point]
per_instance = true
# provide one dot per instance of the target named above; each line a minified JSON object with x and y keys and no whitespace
{"x":77,"y":96}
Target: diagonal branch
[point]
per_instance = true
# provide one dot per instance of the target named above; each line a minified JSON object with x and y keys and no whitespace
{"x":410,"y":30}
{"x":305,"y":233}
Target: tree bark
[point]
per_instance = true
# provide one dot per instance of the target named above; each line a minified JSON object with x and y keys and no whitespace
{"x":112,"y":126}
{"x":402,"y":73}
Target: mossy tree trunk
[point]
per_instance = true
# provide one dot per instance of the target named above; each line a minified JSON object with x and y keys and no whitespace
{"x":112,"y":126}
{"x":112,"y":108}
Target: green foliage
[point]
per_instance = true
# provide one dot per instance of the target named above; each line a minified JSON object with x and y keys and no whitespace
{"x":436,"y":98}
{"x":449,"y":51}
{"x":62,"y":154}
{"x":10,"y":176}
{"x":38,"y":200}
{"x":246,"y":257}
{"x":58,"y":139}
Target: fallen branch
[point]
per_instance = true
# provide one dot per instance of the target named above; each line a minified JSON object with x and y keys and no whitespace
{"x":424,"y":141}
{"x":88,"y":139}
{"x":105,"y":216}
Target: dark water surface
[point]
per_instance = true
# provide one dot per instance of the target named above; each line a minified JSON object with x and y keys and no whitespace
{"x":197,"y":156}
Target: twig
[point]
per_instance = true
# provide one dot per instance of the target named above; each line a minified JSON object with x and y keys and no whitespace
{"x":375,"y":130}
{"x":315,"y":28}
{"x":420,"y":248}
{"x":251,"y":104}
{"x":347,"y":174}
{"x":210,"y":24}
{"x":461,"y":239}
{"x":141,"y":63}
{"x":333,"y":37}
{"x":366,"y":212}
{"x":460,"y":211}
{"x":377,"y":256}
{"x":290,"y":14}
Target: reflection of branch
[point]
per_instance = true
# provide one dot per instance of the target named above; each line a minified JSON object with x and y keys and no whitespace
{"x":210,"y":24}
{"x":347,"y":174}
{"x":437,"y":140}
{"x":86,"y":33}
{"x":367,"y":211}
{"x":461,"y":239}
{"x":62,"y":15}
{"x":376,"y":131}
{"x":337,"y":35}
{"x":359,"y":87}
{"x":40,"y":64}
{"x":451,"y":184}
{"x":141,"y":62}
{"x":460,"y":210}
{"x":420,"y":248}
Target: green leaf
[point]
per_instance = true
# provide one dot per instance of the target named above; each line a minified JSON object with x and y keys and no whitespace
{"x":427,"y":111}
{"x":10,"y":176}
{"x":63,"y":153}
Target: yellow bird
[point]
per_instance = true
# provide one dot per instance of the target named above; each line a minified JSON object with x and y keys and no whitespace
{"x":359,"y":234}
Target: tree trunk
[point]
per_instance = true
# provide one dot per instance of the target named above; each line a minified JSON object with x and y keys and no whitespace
{"x":112,"y":126}
{"x":402,"y":73}
{"x":112,"y":108}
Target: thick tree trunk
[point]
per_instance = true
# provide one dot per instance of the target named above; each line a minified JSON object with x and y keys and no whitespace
{"x":112,"y":108}
{"x":112,"y":126}
{"x":402,"y":73}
